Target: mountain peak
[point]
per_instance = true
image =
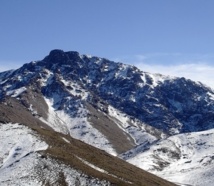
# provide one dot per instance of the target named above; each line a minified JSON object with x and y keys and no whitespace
{"x":112,"y":106}
{"x":173,"y":102}
{"x":59,"y":56}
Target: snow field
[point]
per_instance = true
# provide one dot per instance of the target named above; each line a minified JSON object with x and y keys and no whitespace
{"x":21,"y":165}
{"x":188,"y":158}
{"x":77,"y":126}
{"x":17,"y":141}
{"x":134,"y":129}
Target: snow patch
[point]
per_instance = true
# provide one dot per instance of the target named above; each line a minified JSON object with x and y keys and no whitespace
{"x":92,"y":166}
{"x":16,"y":92}
{"x":75,"y":89}
{"x":179,"y":157}
{"x":122,"y":72}
{"x":17,"y":141}
{"x":101,"y":170}
{"x":135,"y":129}
{"x":77,"y":126}
{"x":20,"y":164}
{"x":67,"y":141}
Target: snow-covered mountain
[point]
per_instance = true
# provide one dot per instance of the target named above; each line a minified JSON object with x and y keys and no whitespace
{"x":187,"y":159}
{"x":146,"y":119}
{"x":37,"y":156}
{"x":84,"y":97}
{"x":22,"y":165}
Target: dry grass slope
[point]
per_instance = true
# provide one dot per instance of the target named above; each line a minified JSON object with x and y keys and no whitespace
{"x":120,"y":172}
{"x":124,"y":173}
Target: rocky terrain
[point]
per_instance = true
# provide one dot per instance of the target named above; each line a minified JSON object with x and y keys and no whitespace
{"x":155,"y":122}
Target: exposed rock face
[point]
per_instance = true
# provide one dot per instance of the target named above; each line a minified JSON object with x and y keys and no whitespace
{"x":174,"y":105}
{"x":112,"y":106}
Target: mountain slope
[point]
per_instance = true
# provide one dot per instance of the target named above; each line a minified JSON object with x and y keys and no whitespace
{"x":64,"y":85}
{"x":187,"y":158}
{"x":173,"y":105}
{"x":111,"y":106}
{"x":38,"y":156}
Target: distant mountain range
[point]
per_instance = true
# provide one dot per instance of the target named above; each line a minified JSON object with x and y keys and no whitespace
{"x":53,"y":112}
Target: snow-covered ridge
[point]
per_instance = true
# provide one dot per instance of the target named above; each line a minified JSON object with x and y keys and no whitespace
{"x":135,"y":129}
{"x":179,"y":157}
{"x":18,"y":148}
{"x":118,"y":84}
{"x":137,"y":103}
{"x":21,"y":165}
{"x":17,"y":142}
{"x":77,"y":126}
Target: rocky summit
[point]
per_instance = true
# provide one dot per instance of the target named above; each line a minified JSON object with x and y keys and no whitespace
{"x":76,"y":111}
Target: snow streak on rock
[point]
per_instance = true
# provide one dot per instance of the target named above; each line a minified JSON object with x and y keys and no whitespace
{"x":77,"y":126}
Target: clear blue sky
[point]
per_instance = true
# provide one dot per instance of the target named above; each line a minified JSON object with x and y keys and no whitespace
{"x":151,"y":32}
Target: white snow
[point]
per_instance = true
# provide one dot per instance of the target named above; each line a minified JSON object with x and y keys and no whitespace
{"x":211,"y":96}
{"x":34,"y":112}
{"x":156,"y":79}
{"x":18,"y":147}
{"x":56,"y":119}
{"x":135,"y":129}
{"x":46,"y":77}
{"x":16,"y":92}
{"x":65,"y":140}
{"x":2,"y":82}
{"x":17,"y":141}
{"x":76,"y":89}
{"x":188,"y":158}
{"x":122,"y":72}
{"x":100,"y":170}
{"x":21,"y":165}
{"x":118,"y":115}
{"x":78,"y":127}
{"x":92,"y":166}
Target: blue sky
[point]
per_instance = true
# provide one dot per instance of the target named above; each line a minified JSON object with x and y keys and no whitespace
{"x":174,"y":37}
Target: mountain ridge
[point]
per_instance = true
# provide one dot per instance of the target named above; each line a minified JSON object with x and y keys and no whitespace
{"x":113,"y":82}
{"x":111,"y":106}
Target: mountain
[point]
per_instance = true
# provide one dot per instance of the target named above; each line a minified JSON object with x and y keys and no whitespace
{"x":38,"y":156}
{"x":184,"y":158}
{"x":146,"y":119}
